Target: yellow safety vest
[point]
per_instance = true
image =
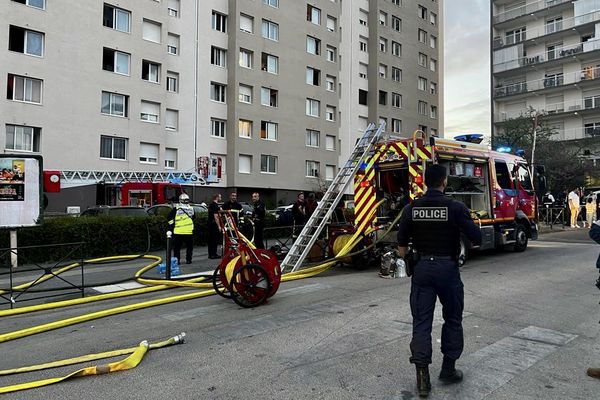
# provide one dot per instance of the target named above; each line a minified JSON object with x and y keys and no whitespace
{"x":184,"y":225}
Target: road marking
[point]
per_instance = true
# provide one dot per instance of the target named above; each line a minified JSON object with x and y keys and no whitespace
{"x":118,"y":287}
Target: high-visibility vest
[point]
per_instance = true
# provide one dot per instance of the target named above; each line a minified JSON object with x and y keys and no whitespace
{"x":184,"y":225}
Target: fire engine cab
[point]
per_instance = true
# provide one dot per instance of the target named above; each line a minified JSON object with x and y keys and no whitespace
{"x":496,"y":187}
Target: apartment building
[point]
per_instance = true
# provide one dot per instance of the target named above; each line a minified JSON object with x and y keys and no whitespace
{"x":261,"y":94}
{"x":545,"y":56}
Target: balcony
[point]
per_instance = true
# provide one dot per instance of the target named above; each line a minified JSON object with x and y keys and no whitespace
{"x":550,"y":55}
{"x":527,"y":9}
{"x":548,"y":29}
{"x":589,"y":105}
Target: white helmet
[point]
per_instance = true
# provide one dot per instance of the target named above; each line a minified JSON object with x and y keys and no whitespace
{"x":184,"y":198}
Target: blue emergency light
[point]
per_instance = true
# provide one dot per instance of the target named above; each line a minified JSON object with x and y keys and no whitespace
{"x":503,"y":149}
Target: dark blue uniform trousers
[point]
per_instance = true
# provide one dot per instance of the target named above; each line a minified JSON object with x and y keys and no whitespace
{"x":431,"y":279}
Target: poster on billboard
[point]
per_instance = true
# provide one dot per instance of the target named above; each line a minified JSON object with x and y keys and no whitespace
{"x":20,"y":190}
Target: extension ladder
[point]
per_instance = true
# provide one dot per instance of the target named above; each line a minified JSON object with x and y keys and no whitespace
{"x":320,"y":217}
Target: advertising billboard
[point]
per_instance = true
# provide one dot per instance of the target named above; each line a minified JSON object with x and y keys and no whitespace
{"x":20,"y":190}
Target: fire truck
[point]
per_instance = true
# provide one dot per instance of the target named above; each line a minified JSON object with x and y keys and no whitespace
{"x":496,"y":187}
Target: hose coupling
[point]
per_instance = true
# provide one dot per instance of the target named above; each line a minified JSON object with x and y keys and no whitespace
{"x":179,"y":339}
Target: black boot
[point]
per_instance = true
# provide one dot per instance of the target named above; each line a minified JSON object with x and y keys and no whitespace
{"x":449,"y":373}
{"x":423,"y":382}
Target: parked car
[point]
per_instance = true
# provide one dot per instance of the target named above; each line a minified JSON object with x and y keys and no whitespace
{"x":247,"y":208}
{"x":164,"y":209}
{"x":114,"y":211}
{"x":283,"y":215}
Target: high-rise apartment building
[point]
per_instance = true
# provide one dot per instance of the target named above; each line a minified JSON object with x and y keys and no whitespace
{"x":545,"y":57}
{"x":261,"y":94}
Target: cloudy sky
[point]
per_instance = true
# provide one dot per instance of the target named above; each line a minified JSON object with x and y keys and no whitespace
{"x":467,"y":67}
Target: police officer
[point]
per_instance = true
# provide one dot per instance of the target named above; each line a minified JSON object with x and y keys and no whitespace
{"x":181,"y":219}
{"x":234,"y":206}
{"x":258,"y":216}
{"x":433,"y":224}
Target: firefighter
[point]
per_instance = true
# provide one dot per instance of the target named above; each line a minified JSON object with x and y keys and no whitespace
{"x":433,"y":224}
{"x":181,"y":219}
{"x":258,"y":216}
{"x":233,"y":206}
{"x":214,"y":230}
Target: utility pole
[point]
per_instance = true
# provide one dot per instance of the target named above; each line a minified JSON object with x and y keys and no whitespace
{"x":534,"y":118}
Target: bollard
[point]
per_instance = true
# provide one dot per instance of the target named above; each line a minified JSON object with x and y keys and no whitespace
{"x":168,"y":259}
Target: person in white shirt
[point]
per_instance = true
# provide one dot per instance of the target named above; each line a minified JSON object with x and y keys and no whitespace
{"x":574,"y":206}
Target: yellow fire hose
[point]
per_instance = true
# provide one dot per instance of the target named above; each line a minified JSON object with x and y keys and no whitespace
{"x":136,"y":356}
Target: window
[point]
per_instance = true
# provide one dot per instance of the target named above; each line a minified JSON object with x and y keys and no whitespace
{"x":217,"y":92}
{"x":432,"y":42}
{"x":432,"y":88}
{"x":170,"y":158}
{"x":173,"y":8}
{"x":329,"y":142}
{"x":219,"y":21}
{"x":22,"y":138}
{"x":172,"y":82}
{"x":313,"y":76}
{"x":151,"y":31}
{"x":363,"y":17}
{"x":245,"y":58}
{"x":217,"y":127}
{"x":25,"y":41}
{"x":150,"y":71}
{"x":172,"y":44}
{"x":383,"y":43}
{"x":270,"y":30}
{"x":383,"y":120}
{"x":268,"y":130}
{"x":331,"y":54}
{"x":591,"y":102}
{"x":396,"y":100}
{"x":433,"y":65}
{"x":396,"y":49}
{"x":245,"y":164}
{"x":363,"y":97}
{"x":502,"y":175}
{"x":116,"y":18}
{"x":554,"y":25}
{"x":269,"y":63}
{"x":41,"y":4}
{"x":396,"y":125}
{"x":245,"y":94}
{"x":396,"y":74}
{"x":422,"y":12}
{"x":397,"y":2}
{"x":362,"y":44}
{"x":115,"y":104}
{"x":516,"y":36}
{"x":592,"y":128}
{"x":312,"y":138}
{"x":433,"y":18}
{"x":396,"y":24}
{"x":362,"y":70}
{"x":423,"y":60}
{"x":422,"y":83}
{"x":330,"y":113}
{"x":382,"y":71}
{"x":115,"y":61}
{"x":313,"y":45}
{"x":272,"y":3}
{"x":268,"y":164}
{"x":313,"y":107}
{"x":268,"y":97}
{"x":172,"y":120}
{"x":330,"y":83}
{"x":312,"y":169}
{"x":313,"y":14}
{"x":553,"y":51}
{"x":331,"y":23}
{"x":150,"y":111}
{"x":246,"y":23}
{"x":422,"y":36}
{"x":329,"y":172}
{"x":149,"y":153}
{"x":422,"y":107}
{"x":433,"y":113}
{"x":382,"y":97}
{"x":113,"y":148}
{"x":245,"y":128}
{"x":218,"y":56}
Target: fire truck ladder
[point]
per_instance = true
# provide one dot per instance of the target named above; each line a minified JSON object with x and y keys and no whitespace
{"x":317,"y":221}
{"x":78,"y":178}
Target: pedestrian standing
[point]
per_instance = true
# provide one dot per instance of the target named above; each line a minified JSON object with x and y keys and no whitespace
{"x":590,"y":211}
{"x":258,"y":217}
{"x":573,"y":200}
{"x":181,"y":219}
{"x":214,"y":229}
{"x":233,"y":206}
{"x":433,"y":225}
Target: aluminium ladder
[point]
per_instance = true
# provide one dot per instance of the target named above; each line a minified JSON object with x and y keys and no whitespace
{"x":320,"y":217}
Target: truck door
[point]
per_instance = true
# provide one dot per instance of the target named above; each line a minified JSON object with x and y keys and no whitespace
{"x":506,"y":194}
{"x":525,"y":188}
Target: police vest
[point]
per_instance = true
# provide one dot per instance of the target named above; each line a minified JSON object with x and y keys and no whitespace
{"x":433,"y":230}
{"x":184,"y":225}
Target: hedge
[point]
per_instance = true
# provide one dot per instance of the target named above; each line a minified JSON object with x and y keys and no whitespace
{"x":103,"y":236}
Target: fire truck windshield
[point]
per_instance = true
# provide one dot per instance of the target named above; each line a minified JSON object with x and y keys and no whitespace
{"x":524,"y":177}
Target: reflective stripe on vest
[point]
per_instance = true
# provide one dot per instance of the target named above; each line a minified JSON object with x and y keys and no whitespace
{"x":184,"y":225}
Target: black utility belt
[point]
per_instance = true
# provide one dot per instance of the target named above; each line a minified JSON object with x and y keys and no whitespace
{"x":432,"y":257}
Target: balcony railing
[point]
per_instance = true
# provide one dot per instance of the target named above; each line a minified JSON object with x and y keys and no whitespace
{"x":547,"y":29}
{"x":527,"y":9}
{"x":549,"y":55}
{"x":586,"y":74}
{"x":591,"y":103}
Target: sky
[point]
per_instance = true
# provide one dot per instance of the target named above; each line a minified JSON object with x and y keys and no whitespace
{"x":466,"y":67}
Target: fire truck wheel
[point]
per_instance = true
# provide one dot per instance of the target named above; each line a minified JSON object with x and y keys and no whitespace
{"x":463,"y":253}
{"x":521,"y":239}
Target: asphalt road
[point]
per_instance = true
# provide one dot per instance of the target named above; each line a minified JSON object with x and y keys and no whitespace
{"x":531,"y":331}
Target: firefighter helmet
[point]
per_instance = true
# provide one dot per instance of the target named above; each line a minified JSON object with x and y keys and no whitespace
{"x":184,"y":198}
